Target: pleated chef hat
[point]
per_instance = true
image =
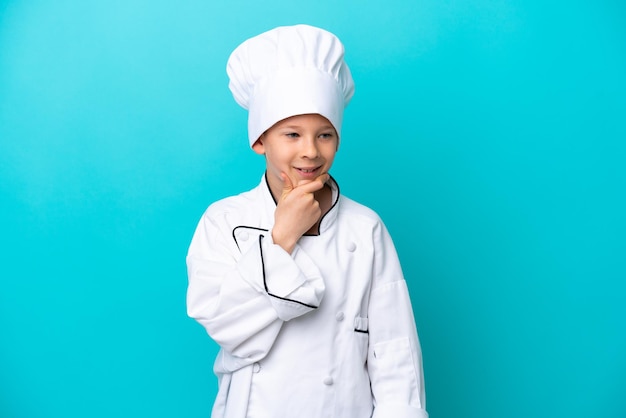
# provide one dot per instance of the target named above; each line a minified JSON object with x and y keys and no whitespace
{"x":288,"y":71}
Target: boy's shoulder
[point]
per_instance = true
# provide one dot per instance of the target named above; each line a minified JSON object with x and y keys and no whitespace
{"x":358,"y":212}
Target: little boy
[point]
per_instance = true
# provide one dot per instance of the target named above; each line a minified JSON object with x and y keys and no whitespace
{"x":300,"y":286}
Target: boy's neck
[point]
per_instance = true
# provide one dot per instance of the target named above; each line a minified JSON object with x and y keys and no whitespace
{"x":324,"y":196}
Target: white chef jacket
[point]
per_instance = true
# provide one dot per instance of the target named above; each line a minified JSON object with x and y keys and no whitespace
{"x":327,"y":331}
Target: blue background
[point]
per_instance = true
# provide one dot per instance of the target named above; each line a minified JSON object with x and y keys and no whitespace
{"x":489,"y":135}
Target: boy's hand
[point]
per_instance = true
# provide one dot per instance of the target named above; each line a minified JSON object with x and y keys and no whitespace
{"x":297,"y":210}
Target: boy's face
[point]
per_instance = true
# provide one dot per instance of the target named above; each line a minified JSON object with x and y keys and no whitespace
{"x":302,"y":146}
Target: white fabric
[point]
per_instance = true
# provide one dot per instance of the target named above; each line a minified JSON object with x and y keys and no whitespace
{"x":287,"y":71}
{"x":326,"y":332}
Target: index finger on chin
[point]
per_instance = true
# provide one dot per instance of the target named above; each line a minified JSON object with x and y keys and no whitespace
{"x":314,"y":185}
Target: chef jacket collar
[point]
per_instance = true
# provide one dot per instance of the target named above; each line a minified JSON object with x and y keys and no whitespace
{"x":327,"y":220}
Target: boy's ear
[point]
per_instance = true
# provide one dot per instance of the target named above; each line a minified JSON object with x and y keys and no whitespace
{"x":258,"y":146}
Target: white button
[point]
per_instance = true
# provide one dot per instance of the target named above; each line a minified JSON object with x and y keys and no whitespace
{"x":351,"y":247}
{"x":328,"y":381}
{"x":339,"y":316}
{"x":256,"y":367}
{"x":244,"y":236}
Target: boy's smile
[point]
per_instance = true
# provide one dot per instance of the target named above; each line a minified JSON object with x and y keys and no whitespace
{"x":302,"y":146}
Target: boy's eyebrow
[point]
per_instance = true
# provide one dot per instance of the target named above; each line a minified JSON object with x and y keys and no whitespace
{"x":300,"y":127}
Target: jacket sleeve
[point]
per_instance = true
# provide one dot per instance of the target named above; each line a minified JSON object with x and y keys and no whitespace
{"x":242,"y":294}
{"x":394,"y":355}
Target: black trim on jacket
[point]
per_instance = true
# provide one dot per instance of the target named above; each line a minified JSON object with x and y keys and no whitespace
{"x":265,"y":282}
{"x":244,"y":226}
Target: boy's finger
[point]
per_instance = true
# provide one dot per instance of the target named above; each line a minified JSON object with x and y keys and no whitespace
{"x":322,"y":177}
{"x":314,"y":185}
{"x":287,"y":183}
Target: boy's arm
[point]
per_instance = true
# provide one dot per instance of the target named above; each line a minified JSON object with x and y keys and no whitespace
{"x":394,"y":355}
{"x":242,"y":299}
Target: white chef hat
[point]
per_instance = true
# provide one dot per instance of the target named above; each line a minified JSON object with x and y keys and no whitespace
{"x":288,"y":71}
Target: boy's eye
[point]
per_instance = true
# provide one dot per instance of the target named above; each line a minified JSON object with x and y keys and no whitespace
{"x":292,"y":134}
{"x":326,"y":135}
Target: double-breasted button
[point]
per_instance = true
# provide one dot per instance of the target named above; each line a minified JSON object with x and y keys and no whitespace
{"x":339,"y":316}
{"x":256,"y":367}
{"x":351,"y":246}
{"x":328,"y":381}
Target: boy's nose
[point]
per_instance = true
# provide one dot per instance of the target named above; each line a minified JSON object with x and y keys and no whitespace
{"x":309,"y":148}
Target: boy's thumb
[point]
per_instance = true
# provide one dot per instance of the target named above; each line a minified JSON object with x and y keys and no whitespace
{"x":287,"y":184}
